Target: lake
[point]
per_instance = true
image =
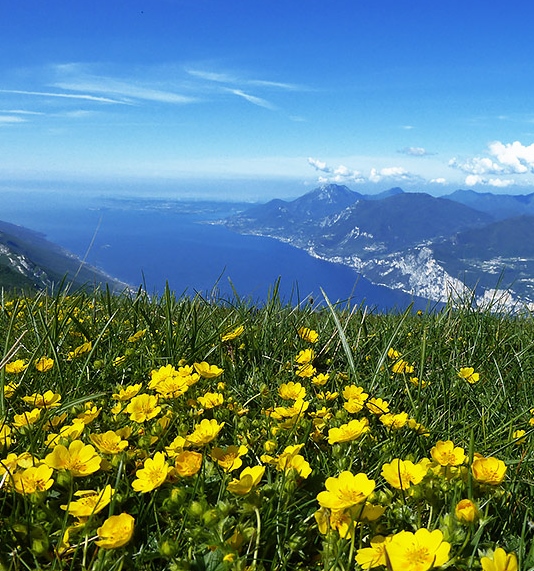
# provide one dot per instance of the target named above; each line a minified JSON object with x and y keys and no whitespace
{"x":150,"y":242}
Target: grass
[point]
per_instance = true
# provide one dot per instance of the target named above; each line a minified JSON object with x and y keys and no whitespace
{"x":277,"y":395}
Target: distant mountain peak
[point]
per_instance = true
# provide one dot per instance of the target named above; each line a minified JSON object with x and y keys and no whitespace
{"x":333,"y":193}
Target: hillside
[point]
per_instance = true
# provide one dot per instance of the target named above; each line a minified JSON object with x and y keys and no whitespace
{"x":29,"y":261}
{"x":414,"y":242}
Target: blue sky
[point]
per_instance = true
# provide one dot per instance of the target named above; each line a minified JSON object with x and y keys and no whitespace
{"x":421,"y":94}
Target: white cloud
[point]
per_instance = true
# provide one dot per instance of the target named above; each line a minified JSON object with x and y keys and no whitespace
{"x":318,"y":165}
{"x":477,"y":166}
{"x":439,"y":180}
{"x":415,"y":151}
{"x":476,"y":179}
{"x":517,"y":158}
{"x":63,"y":95}
{"x":340,"y":174}
{"x":20,"y":112}
{"x":211,"y":76}
{"x":500,"y":159}
{"x":345,"y":175}
{"x":5,"y":119}
{"x":123,"y":89}
{"x":234,"y":79}
{"x":390,"y":173}
{"x":259,"y":101}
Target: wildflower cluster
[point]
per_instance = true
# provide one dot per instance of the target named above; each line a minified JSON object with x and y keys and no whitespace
{"x":136,"y":438}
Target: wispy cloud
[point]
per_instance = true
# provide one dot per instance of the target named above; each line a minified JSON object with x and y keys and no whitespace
{"x":212,"y":76}
{"x":234,"y":79}
{"x":20,"y":112}
{"x":7,"y":119}
{"x":243,"y":87}
{"x":62,"y":95}
{"x":125,"y":91}
{"x":259,"y":101}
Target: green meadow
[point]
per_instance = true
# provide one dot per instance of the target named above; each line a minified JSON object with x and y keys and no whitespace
{"x":176,"y":433}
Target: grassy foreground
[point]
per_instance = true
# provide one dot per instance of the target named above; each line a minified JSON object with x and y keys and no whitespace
{"x":175,"y":433}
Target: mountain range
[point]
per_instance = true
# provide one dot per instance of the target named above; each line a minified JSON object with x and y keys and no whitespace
{"x":29,"y":262}
{"x":423,"y":245}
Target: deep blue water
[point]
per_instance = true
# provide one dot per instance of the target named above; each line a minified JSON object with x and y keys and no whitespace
{"x":151,"y":243}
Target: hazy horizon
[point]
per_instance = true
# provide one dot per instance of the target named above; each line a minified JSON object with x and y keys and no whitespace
{"x":429,"y":97}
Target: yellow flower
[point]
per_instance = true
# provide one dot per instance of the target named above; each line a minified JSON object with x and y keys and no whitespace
{"x":298,"y":407}
{"x":419,"y":551}
{"x":327,"y":395}
{"x":402,"y":366}
{"x":80,"y":350}
{"x":210,"y":400}
{"x":355,"y":398}
{"x":308,"y":334}
{"x":90,"y":502}
{"x":446,"y":454}
{"x":136,"y":336}
{"x":234,"y":334}
{"x":33,"y":479}
{"x":466,"y":511}
{"x":89,"y":414}
{"x":143,"y":407}
{"x":187,"y":463}
{"x":488,"y":470}
{"x":26,"y":418}
{"x":377,"y":406}
{"x":291,"y":391}
{"x":116,"y":531}
{"x":248,"y":478}
{"x":9,"y":389}
{"x":375,"y":555}
{"x":229,"y":458}
{"x":306,"y":371}
{"x":348,"y":432}
{"x":204,"y":432}
{"x":393,"y":354}
{"x":394,"y":421}
{"x":401,"y":474}
{"x":126,"y":393}
{"x":152,"y":475}
{"x":345,"y":491}
{"x":418,"y":382}
{"x":44,"y":364}
{"x":70,"y":431}
{"x":5,"y":436}
{"x":304,"y":357}
{"x":208,"y":371}
{"x":109,"y":442}
{"x":79,"y":459}
{"x":290,"y":459}
{"x":518,"y":436}
{"x":120,"y":360}
{"x":339,"y":520}
{"x":468,"y":373}
{"x":47,"y":400}
{"x":501,"y":561}
{"x":177,"y":445}
{"x":16,"y":367}
{"x":320,"y":379}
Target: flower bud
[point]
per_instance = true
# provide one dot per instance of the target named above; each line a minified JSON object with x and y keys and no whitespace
{"x":466,"y":512}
